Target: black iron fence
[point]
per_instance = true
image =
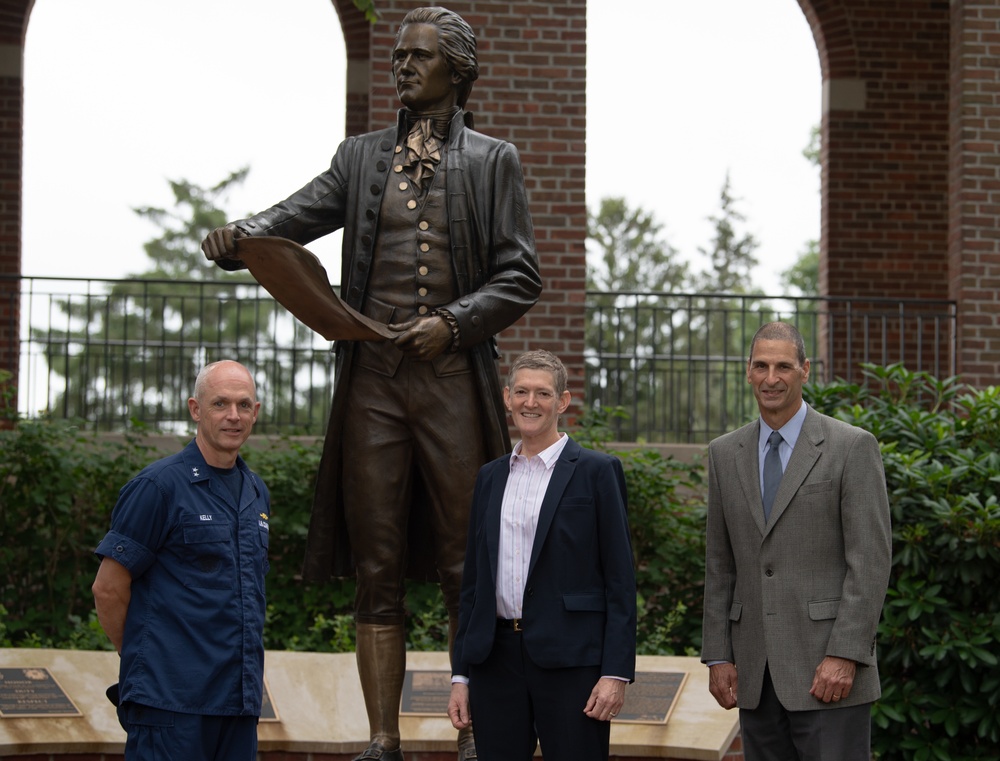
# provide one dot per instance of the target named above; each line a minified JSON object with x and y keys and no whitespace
{"x":122,"y":353}
{"x":675,"y":363}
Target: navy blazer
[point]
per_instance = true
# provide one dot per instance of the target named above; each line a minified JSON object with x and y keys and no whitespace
{"x":579,"y":598}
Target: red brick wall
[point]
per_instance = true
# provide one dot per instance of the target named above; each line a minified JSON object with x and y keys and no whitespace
{"x":532,"y":92}
{"x":13,"y":23}
{"x":884,"y":155}
{"x":974,"y":222}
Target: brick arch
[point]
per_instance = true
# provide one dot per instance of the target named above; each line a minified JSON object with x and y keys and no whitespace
{"x":834,"y":37}
{"x":885,"y":154}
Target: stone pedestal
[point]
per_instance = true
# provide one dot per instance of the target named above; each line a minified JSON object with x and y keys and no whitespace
{"x":317,"y":698}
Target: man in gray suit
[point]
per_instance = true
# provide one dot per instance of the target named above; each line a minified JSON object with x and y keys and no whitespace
{"x":797,"y":564}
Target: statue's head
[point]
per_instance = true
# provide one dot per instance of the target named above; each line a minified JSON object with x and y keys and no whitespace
{"x":456,"y":44}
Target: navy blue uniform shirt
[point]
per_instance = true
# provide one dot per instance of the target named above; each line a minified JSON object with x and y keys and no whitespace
{"x":193,"y":638}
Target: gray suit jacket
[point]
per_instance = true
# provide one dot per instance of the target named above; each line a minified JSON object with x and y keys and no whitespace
{"x":811,"y":582}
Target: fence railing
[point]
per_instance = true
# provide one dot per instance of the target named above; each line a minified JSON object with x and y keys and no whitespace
{"x":676,"y":363}
{"x":120,"y":353}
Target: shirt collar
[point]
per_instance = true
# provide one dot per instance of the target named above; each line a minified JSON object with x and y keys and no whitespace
{"x":789,"y":431}
{"x":548,"y":456}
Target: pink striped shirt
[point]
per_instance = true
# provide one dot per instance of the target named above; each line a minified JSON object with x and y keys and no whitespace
{"x":522,"y":501}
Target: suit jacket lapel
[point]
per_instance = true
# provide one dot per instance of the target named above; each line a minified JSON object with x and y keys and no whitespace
{"x":561,"y":474}
{"x":492,"y":516}
{"x":748,"y":472}
{"x":807,"y":451}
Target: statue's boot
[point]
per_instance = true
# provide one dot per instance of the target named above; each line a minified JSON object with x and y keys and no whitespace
{"x":381,"y":653}
{"x":466,"y":741}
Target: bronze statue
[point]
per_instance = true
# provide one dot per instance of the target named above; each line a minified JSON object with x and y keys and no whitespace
{"x":438,"y":243}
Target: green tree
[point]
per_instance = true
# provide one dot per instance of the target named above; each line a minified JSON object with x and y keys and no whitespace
{"x":730,"y":254}
{"x":627,"y":251}
{"x":803,"y":276}
{"x":631,"y":270}
{"x":719,"y":331}
{"x":131,"y":353}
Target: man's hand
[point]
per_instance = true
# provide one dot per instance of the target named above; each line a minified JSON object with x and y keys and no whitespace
{"x":722,"y":684}
{"x":220,"y":243}
{"x":422,"y":338}
{"x":458,"y":706}
{"x":605,"y":699}
{"x":834,"y":679}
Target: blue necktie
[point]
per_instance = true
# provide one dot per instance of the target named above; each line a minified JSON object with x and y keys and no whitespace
{"x":772,"y":473}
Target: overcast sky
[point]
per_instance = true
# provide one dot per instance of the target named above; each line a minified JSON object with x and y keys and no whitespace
{"x":122,"y":95}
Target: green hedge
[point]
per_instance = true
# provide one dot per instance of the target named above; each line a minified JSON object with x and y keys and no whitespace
{"x":939,"y":637}
{"x":941,"y":623}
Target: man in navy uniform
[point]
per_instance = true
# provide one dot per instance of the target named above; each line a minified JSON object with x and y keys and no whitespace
{"x":180,"y":589}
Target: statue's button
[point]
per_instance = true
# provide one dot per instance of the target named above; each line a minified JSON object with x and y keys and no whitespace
{"x":425,"y":247}
{"x":376,"y":190}
{"x":370,"y":213}
{"x":399,"y":149}
{"x":422,"y":310}
{"x":384,"y":145}
{"x":475,"y":319}
{"x":423,"y":225}
{"x":381,"y":166}
{"x":398,"y":168}
{"x":422,"y":291}
{"x":362,"y":265}
{"x":411,"y":204}
{"x":355,"y":291}
{"x":464,"y":303}
{"x":403,"y":186}
{"x":423,"y":270}
{"x":366,"y":239}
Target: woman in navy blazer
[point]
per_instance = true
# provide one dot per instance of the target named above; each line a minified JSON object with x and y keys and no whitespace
{"x":546,"y":638}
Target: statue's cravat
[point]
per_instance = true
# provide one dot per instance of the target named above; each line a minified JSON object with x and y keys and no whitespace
{"x":423,"y":152}
{"x":772,"y":472}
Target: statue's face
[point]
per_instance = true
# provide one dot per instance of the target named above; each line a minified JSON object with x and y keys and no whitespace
{"x":424,"y":81}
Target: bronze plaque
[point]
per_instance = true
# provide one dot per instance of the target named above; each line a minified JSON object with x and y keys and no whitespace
{"x":425,"y":693}
{"x":652,"y":697}
{"x":33,"y":692}
{"x":649,"y":700}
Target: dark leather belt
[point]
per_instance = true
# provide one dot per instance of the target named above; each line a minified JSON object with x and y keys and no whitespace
{"x":516,"y":624}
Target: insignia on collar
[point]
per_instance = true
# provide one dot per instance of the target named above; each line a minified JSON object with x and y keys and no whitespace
{"x":195,"y":473}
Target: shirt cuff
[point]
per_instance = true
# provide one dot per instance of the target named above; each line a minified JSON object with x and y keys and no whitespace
{"x":459,"y":679}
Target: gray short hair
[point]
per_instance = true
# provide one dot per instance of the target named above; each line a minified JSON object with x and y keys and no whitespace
{"x":780,"y":331}
{"x":539,"y":359}
{"x":202,"y":379}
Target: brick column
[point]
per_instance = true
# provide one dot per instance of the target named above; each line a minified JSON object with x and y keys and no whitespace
{"x":974,"y":187}
{"x":885,"y":160}
{"x":13,"y":22}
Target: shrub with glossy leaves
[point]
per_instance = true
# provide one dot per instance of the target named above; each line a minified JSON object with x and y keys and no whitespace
{"x":940,"y":631}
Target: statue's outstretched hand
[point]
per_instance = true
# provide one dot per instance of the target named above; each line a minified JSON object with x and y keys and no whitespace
{"x":220,"y":243}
